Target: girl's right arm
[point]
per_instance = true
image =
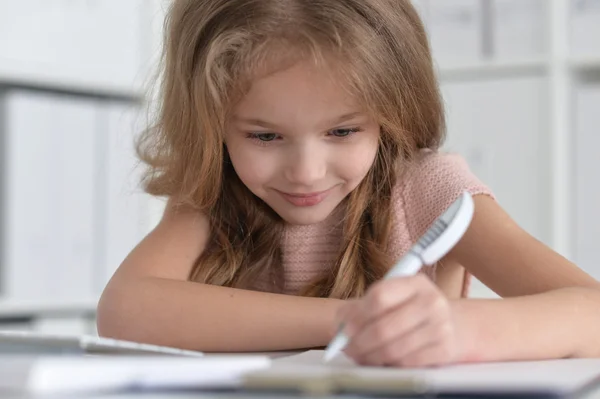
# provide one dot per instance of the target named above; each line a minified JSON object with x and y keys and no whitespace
{"x":149,"y":300}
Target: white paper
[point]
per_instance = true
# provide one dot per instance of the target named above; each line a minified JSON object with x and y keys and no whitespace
{"x":66,"y":374}
{"x":314,"y":358}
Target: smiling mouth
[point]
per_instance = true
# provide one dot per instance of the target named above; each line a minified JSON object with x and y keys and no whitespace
{"x":305,"y":199}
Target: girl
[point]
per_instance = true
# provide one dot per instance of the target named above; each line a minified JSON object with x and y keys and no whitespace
{"x":297,"y":142}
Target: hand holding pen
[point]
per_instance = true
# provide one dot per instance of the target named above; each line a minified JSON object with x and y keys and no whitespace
{"x":408,"y":321}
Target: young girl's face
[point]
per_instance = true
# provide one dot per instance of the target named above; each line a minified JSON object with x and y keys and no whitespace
{"x":300,"y":142}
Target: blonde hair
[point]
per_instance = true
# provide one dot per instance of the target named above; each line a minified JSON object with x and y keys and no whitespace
{"x":213,"y":50}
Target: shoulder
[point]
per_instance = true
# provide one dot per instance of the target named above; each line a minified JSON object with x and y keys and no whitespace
{"x":171,"y":249}
{"x":429,"y":184}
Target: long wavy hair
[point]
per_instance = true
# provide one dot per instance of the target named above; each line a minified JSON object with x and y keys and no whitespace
{"x":213,"y":49}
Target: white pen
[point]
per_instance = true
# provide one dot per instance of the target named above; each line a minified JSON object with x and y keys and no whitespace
{"x":441,"y":237}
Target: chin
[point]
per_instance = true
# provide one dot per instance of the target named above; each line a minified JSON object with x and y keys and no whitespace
{"x":304,"y":216}
{"x":302,"y":220}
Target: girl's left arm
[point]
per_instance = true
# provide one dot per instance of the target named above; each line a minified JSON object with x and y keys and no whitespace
{"x":551,"y":307}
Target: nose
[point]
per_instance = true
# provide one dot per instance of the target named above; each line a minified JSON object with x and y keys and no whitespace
{"x":305,"y":166}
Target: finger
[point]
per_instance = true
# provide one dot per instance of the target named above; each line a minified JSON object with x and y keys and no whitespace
{"x":385,"y":295}
{"x":412,"y":349}
{"x":437,"y":354}
{"x":388,"y":328}
{"x":384,"y":299}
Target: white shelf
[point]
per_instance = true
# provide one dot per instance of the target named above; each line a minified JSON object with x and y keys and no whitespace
{"x":493,"y":68}
{"x":11,"y":309}
{"x":586,"y":64}
{"x":33,"y":76}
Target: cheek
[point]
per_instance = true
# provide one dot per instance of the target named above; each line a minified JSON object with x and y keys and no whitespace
{"x":356,"y":160}
{"x":252,"y":166}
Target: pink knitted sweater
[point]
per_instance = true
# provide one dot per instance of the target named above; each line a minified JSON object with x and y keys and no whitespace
{"x":420,"y":196}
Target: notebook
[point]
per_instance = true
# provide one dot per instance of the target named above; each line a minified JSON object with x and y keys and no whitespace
{"x":23,"y":342}
{"x":307,"y":373}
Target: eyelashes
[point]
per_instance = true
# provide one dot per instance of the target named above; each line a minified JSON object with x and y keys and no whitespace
{"x":265,"y":139}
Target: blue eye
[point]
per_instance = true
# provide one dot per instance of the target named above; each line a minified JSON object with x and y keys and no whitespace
{"x":263,"y":139}
{"x":265,"y":136}
{"x":344,"y":132}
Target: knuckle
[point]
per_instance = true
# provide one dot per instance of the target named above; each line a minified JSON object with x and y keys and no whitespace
{"x":380,"y":333}
{"x":439,"y":305}
{"x":379,"y":297}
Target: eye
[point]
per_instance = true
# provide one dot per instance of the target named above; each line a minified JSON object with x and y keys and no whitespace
{"x":344,"y":132}
{"x":265,"y":136}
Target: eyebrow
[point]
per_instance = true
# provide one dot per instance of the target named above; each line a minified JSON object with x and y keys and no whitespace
{"x":269,"y":125}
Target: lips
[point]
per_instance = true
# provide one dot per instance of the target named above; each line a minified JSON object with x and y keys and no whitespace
{"x":305,"y":199}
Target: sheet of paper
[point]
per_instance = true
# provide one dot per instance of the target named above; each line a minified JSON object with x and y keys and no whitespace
{"x":315,"y":358}
{"x":566,"y":375}
{"x":105,"y":373}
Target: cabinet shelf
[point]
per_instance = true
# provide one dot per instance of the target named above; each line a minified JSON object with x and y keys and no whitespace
{"x":493,"y":68}
{"x":18,"y":309}
{"x":586,"y":64}
{"x":33,"y":77}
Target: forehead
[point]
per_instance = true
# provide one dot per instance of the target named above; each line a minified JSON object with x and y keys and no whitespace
{"x":302,"y":87}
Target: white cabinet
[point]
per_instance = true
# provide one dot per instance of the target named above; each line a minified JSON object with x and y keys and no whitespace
{"x":519,"y":29}
{"x":72,"y":205}
{"x":585,"y":27}
{"x":455,"y":30}
{"x":499,"y":126}
{"x":49,"y":199}
{"x":97,"y":44}
{"x":586,"y":185}
{"x":126,"y":211}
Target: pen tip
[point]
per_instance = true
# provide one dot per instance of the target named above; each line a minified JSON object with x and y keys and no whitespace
{"x":335,"y":347}
{"x":328,"y":356}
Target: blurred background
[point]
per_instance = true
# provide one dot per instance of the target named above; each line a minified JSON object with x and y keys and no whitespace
{"x":521,"y":81}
